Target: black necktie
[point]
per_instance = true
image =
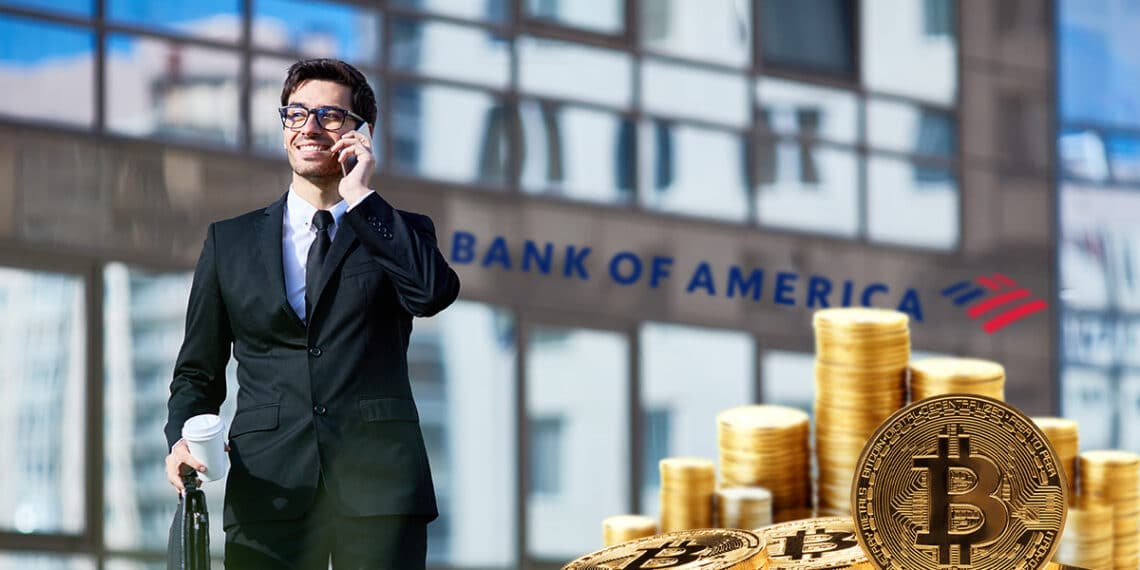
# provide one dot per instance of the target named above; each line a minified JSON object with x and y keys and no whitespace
{"x":322,"y":221}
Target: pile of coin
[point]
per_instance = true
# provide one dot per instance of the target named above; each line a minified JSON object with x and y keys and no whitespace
{"x":860,"y":379}
{"x":1087,"y":540}
{"x":809,"y":544}
{"x":621,"y":528}
{"x":768,"y":446}
{"x":1112,"y":477}
{"x":687,"y":486}
{"x":936,"y":376}
{"x":1064,"y":436}
{"x":701,"y":549}
{"x":743,"y":507}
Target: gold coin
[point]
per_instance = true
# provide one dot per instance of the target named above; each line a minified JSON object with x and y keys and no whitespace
{"x":962,"y":481}
{"x":956,"y":370}
{"x":703,"y":549}
{"x":621,"y":528}
{"x":859,"y":318}
{"x":813,"y":543}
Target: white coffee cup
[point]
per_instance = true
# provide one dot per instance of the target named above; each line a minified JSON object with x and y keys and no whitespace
{"x":205,"y":436}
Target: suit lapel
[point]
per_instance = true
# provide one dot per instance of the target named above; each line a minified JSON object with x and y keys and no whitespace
{"x":342,"y":244}
{"x":270,"y":236}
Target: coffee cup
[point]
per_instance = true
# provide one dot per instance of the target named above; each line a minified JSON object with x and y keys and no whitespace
{"x":205,"y":436}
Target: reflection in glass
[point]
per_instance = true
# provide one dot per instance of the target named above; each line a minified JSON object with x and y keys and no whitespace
{"x":1084,"y":266}
{"x":603,"y":16}
{"x":217,"y":19}
{"x":911,"y":204}
{"x":713,"y":30}
{"x":489,"y":10}
{"x":1087,"y":397}
{"x":1129,"y":412}
{"x":1124,"y":157}
{"x":694,"y":171}
{"x":684,"y":91}
{"x":911,"y":129}
{"x":53,"y":66}
{"x":814,"y":36}
{"x":1091,"y":338}
{"x":909,"y":48}
{"x":576,"y":380}
{"x":449,"y":133}
{"x":1083,"y":155}
{"x":449,"y":51}
{"x":158,"y":88}
{"x":462,"y":366}
{"x":128,"y":564}
{"x":72,"y":7}
{"x":576,"y":152}
{"x":42,"y":397}
{"x":44,"y":561}
{"x":794,"y":108}
{"x":685,"y":409}
{"x":808,"y":187}
{"x":567,"y":70}
{"x":144,"y":316}
{"x":318,"y":29}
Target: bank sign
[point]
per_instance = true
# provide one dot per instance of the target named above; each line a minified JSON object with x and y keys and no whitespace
{"x":995,"y":300}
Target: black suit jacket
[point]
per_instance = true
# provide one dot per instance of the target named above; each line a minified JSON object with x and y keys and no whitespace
{"x":330,"y":398}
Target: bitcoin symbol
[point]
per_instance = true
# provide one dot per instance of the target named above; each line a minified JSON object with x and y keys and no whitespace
{"x":990,"y":515}
{"x":667,"y":555}
{"x":802,"y":545}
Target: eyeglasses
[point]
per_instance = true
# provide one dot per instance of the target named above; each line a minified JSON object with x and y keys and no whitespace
{"x":329,"y":118}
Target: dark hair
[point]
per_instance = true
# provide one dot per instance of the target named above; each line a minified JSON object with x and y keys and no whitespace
{"x":363,"y":100}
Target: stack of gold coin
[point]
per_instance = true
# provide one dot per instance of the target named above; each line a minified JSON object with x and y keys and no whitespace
{"x":701,"y":549}
{"x":937,"y":376}
{"x":743,"y":507}
{"x":767,"y":446}
{"x":1112,"y":477}
{"x":1064,"y":437}
{"x":687,"y":486}
{"x":809,"y":544}
{"x":623,"y":528}
{"x":1087,"y":540}
{"x":860,"y":379}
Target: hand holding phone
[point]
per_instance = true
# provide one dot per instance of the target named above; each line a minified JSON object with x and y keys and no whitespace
{"x":347,"y":165}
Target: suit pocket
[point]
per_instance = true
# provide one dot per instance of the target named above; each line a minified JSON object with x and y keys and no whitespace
{"x":389,"y":410}
{"x":259,"y":418}
{"x":366,"y":266}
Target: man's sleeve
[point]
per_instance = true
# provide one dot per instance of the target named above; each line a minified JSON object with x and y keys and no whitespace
{"x":405,"y":245}
{"x":199,"y":385}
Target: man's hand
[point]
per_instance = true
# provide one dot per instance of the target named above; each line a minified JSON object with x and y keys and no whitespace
{"x":179,"y":456}
{"x":354,"y":185}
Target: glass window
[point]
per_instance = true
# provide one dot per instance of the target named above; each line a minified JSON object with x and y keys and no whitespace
{"x":546,"y":456}
{"x":684,"y":91}
{"x":217,"y":19}
{"x":450,"y":133}
{"x":808,"y":187}
{"x":54,"y":67}
{"x":657,"y":427}
{"x":727,"y":372}
{"x":1089,"y":338}
{"x":1083,"y":155}
{"x":789,"y":379}
{"x":318,"y":29}
{"x":42,"y":401}
{"x":1087,"y":397}
{"x":793,"y":108}
{"x":44,"y":561}
{"x":694,"y":171}
{"x":910,"y":129}
{"x":1084,"y":266}
{"x":909,"y":48}
{"x":73,"y":7}
{"x":580,"y":376}
{"x":812,"y":35}
{"x":713,"y":30}
{"x":911,"y":203}
{"x":164,"y":89}
{"x":132,"y":564}
{"x":576,"y":152}
{"x":1124,"y":157}
{"x":566,"y":70}
{"x":462,"y":366}
{"x":1096,"y":61}
{"x":450,"y":51}
{"x":492,"y":10}
{"x":1129,"y":411}
{"x":603,"y":16}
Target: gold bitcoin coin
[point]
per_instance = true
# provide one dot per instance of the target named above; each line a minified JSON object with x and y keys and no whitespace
{"x":963,"y":481}
{"x":813,"y":543}
{"x":703,"y":549}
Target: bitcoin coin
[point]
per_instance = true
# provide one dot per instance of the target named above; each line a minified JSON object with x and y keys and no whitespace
{"x":959,"y":480}
{"x":703,"y":549}
{"x":813,"y":543}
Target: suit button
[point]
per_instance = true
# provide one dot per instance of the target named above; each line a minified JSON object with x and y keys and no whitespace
{"x":320,"y":410}
{"x":316,"y":352}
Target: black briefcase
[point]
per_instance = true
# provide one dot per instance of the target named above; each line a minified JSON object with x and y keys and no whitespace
{"x":189,"y":546}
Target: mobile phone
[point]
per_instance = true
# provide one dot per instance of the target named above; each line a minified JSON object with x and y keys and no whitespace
{"x":348,"y":165}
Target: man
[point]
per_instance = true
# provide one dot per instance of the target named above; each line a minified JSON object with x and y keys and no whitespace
{"x":315,"y":294}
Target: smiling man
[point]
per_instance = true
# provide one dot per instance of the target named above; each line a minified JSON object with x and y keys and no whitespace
{"x":315,"y":295}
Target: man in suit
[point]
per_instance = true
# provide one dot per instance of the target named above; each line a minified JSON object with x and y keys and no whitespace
{"x":315,"y":296}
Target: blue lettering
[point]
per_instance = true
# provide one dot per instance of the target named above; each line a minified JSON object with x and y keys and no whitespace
{"x":847,"y":290}
{"x":498,"y":253}
{"x":660,"y":270}
{"x":754,"y":283}
{"x":702,"y":279}
{"x":818,"y":288}
{"x":574,"y":262}
{"x":462,"y":247}
{"x":871,"y":290}
{"x":615,"y":265}
{"x":542,"y":259}
{"x":910,"y":304}
{"x":785,"y":283}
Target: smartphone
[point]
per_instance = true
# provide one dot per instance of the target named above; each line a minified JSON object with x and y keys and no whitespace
{"x":348,"y":165}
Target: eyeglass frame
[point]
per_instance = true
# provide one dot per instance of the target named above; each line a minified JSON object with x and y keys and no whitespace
{"x":319,"y":112}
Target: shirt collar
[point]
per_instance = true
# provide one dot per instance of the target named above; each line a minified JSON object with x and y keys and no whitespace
{"x":300,"y":213}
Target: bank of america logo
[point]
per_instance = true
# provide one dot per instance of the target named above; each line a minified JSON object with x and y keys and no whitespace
{"x":996,"y":298}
